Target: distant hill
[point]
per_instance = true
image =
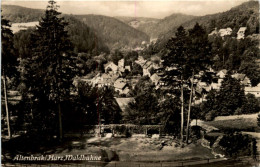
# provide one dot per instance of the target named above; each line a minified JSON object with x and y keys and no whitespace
{"x":84,"y":38}
{"x":165,"y":25}
{"x":244,"y":15}
{"x":136,"y":22}
{"x":18,"y":14}
{"x":109,"y":31}
{"x":155,"y":27}
{"x":114,"y":33}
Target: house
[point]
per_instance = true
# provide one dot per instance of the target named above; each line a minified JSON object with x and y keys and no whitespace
{"x":128,"y":68}
{"x":244,"y":80}
{"x":241,"y":33}
{"x":214,"y":32}
{"x":253,"y":90}
{"x":120,"y":86}
{"x":221,"y":74}
{"x":121,"y":63}
{"x":146,"y":67}
{"x":225,"y":32}
{"x":110,"y":66}
{"x":141,"y":61}
{"x":155,"y":79}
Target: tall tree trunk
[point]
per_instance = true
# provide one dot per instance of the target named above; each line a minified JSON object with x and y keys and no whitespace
{"x":6,"y":106}
{"x":182,"y":108}
{"x":190,"y":101}
{"x":60,"y":122}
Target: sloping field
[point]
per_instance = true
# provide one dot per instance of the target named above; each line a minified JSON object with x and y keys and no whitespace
{"x":236,"y":122}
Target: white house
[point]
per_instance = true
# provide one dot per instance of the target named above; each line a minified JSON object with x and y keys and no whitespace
{"x":241,"y":33}
{"x":244,"y":80}
{"x":121,"y":63}
{"x":121,"y":86}
{"x":253,"y":90}
{"x":225,"y":32}
{"x":111,"y":66}
{"x":222,"y":73}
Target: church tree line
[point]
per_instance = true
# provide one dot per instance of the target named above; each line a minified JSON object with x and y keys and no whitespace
{"x":50,"y":60}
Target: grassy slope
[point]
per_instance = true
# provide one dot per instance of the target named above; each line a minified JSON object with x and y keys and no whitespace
{"x":241,"y":123}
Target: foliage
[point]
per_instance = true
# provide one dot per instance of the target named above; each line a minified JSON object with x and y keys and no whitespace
{"x":236,"y":144}
{"x":130,"y":57}
{"x":113,"y":32}
{"x":143,"y":110}
{"x":244,"y":15}
{"x":169,"y":116}
{"x":22,"y":42}
{"x":84,"y":38}
{"x":18,"y":14}
{"x":230,"y":97}
{"x":251,"y":105}
{"x":90,"y":105}
{"x":8,"y":57}
{"x":229,"y":100}
{"x":48,"y":75}
{"x":116,"y":56}
{"x":137,"y":69}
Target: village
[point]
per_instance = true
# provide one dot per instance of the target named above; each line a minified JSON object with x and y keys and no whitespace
{"x":105,"y":89}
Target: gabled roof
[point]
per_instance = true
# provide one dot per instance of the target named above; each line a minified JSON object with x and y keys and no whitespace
{"x":147,"y":64}
{"x":242,"y":29}
{"x":224,"y":71}
{"x":110,"y":63}
{"x":252,"y":89}
{"x":155,"y":77}
{"x":120,"y":85}
{"x":238,"y":76}
{"x":123,"y":102}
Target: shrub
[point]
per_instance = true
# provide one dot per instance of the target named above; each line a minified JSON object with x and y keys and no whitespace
{"x":236,"y":144}
{"x":210,"y":116}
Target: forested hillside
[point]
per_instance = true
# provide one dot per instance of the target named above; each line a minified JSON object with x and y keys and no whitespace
{"x":166,"y":24}
{"x":244,"y":15}
{"x":18,"y":14}
{"x":114,"y":32}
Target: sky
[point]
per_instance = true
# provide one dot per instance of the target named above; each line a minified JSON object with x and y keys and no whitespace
{"x":153,"y":9}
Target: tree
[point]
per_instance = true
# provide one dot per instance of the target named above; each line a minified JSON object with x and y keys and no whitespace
{"x":251,"y":105}
{"x":199,"y":59}
{"x":174,"y":63}
{"x":187,"y":56}
{"x":50,"y":71}
{"x":145,"y":105}
{"x":9,"y":62}
{"x":137,"y":69}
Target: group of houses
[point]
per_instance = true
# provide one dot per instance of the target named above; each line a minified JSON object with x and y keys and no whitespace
{"x":113,"y":76}
{"x":228,"y":31}
{"x":122,"y":84}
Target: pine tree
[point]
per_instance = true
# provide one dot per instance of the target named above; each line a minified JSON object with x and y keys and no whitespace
{"x":9,"y":62}
{"x":199,"y":60}
{"x":175,"y":65}
{"x":51,"y":71}
{"x":187,"y":56}
{"x":231,"y":96}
